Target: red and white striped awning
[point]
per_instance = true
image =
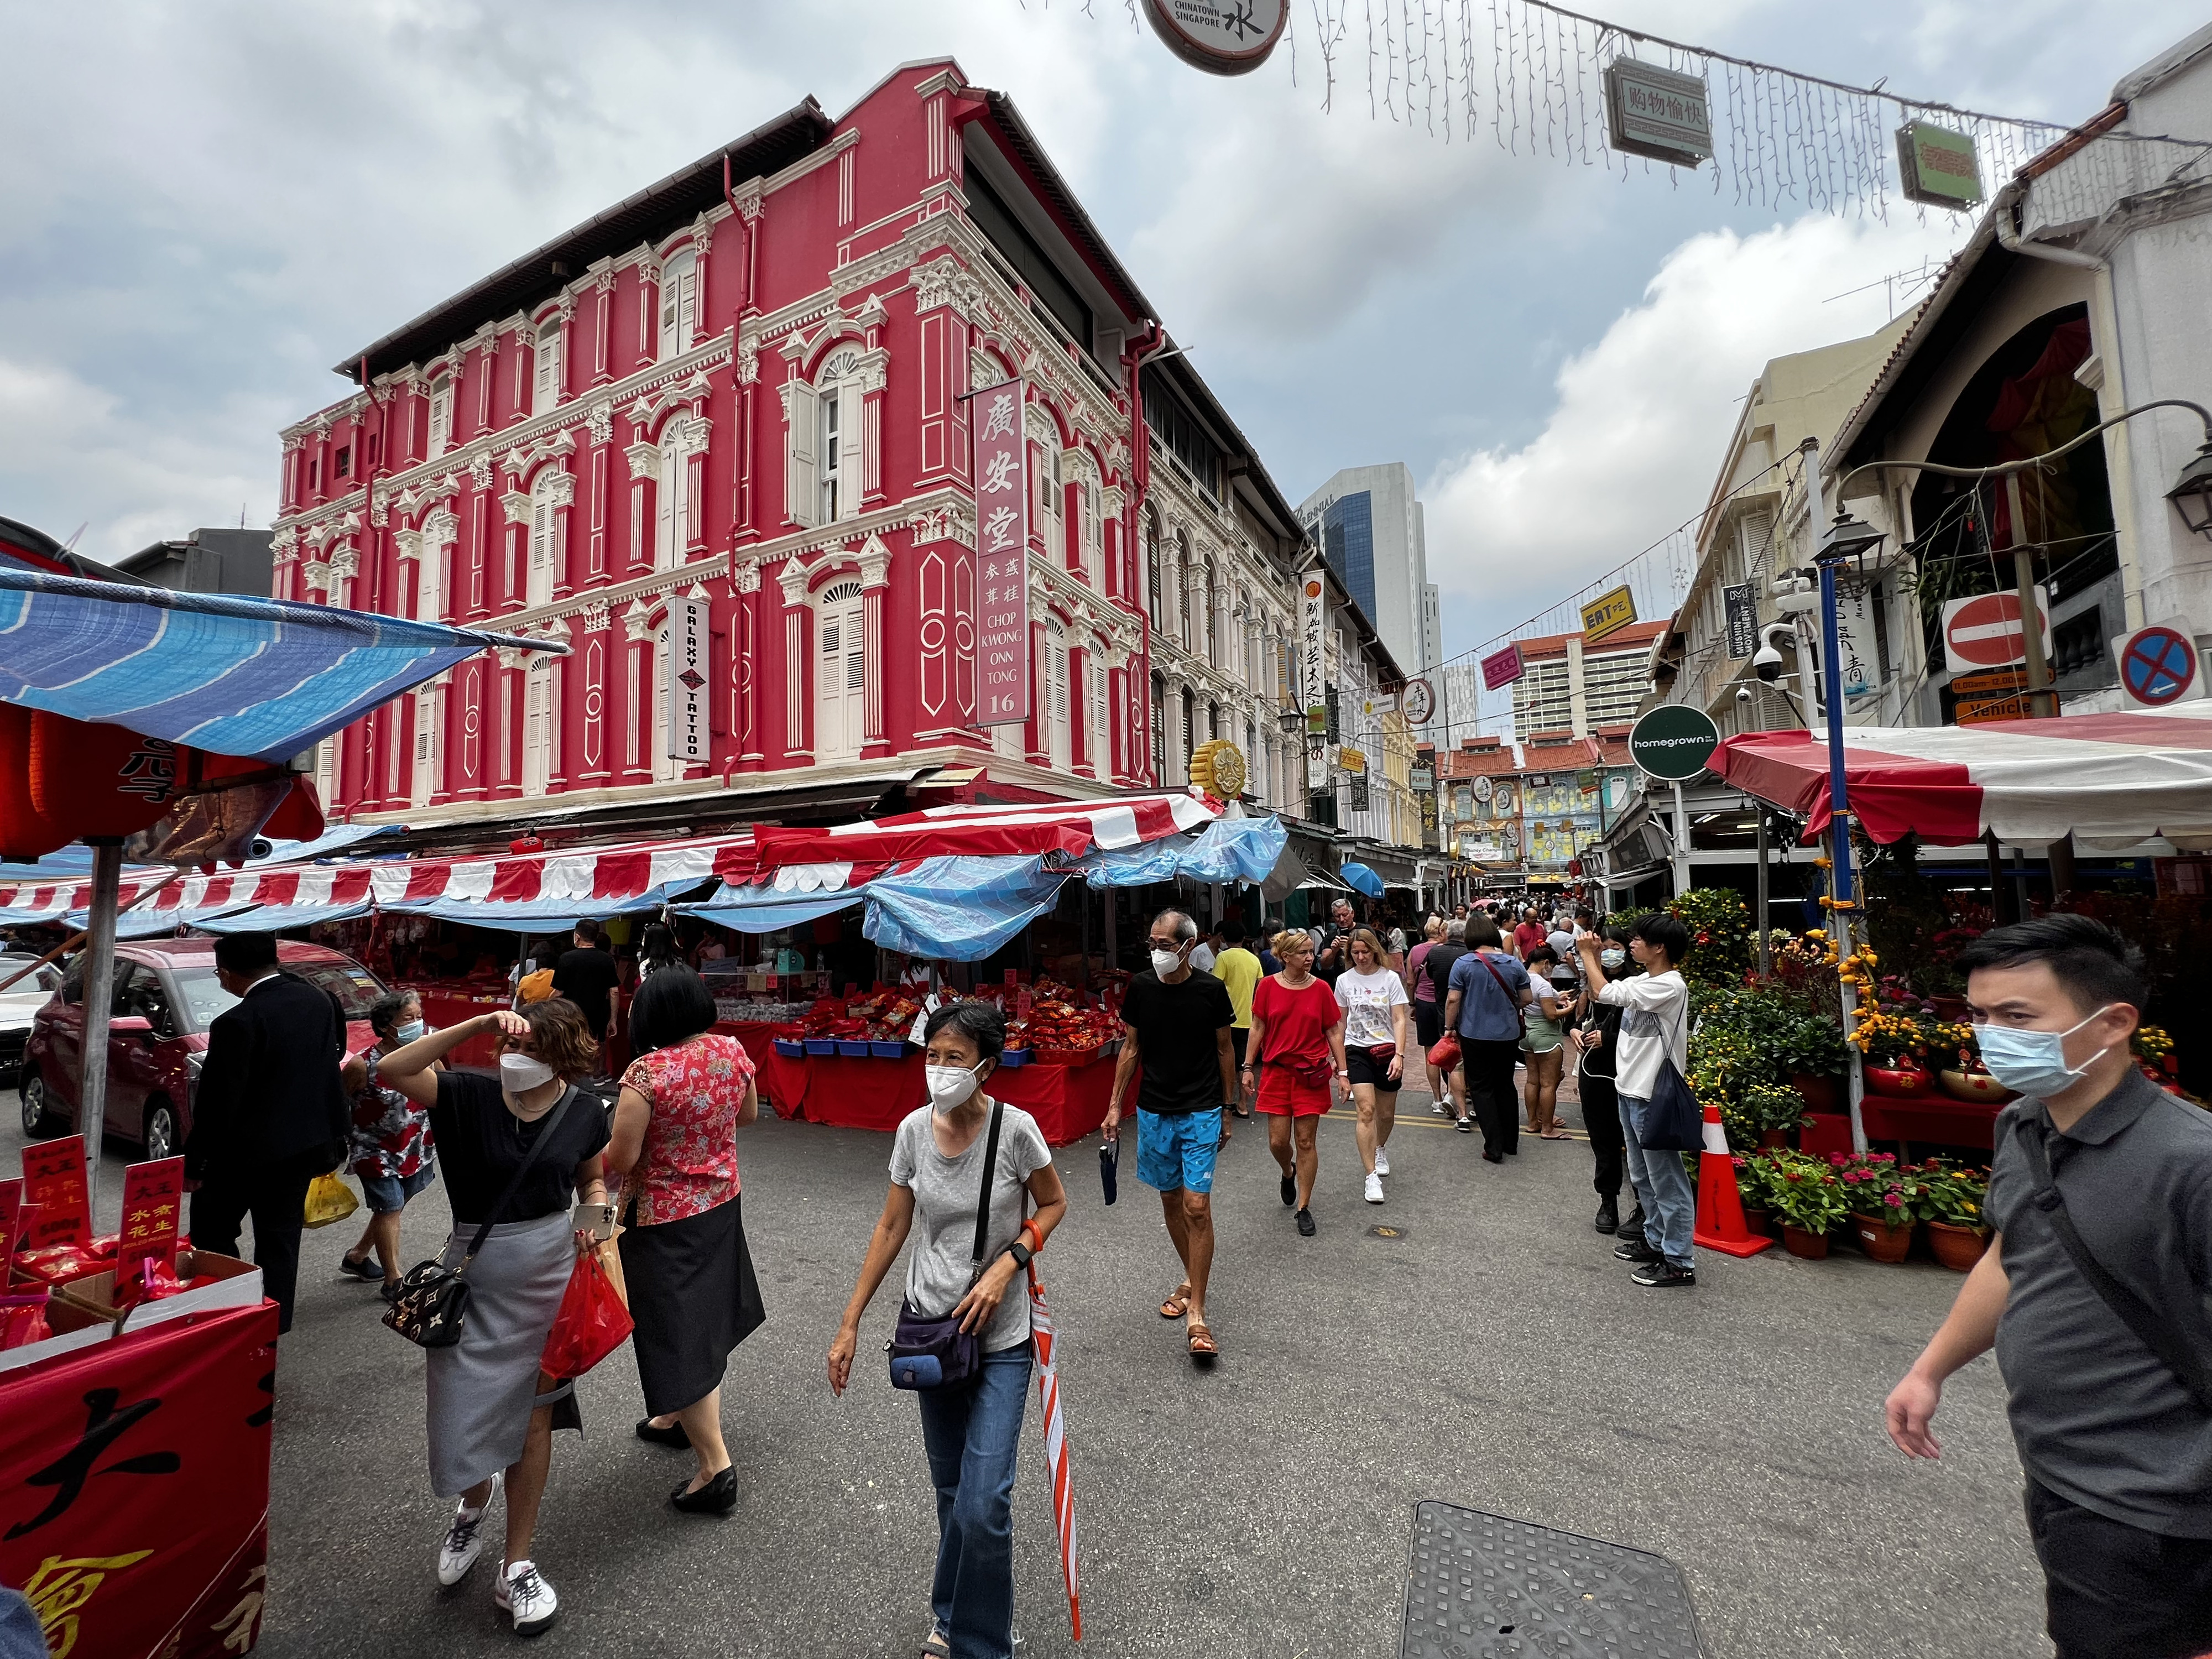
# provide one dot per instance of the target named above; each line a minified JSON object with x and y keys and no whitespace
{"x":2109,"y":781}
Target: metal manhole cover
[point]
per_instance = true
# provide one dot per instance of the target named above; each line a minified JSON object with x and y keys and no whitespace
{"x":1386,"y":1233}
{"x":1488,"y":1586}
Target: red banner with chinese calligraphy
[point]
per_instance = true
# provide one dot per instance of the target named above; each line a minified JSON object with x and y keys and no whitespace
{"x":153,"y":1207}
{"x":1002,"y":556}
{"x":11,"y":1224}
{"x":134,"y":1489}
{"x":53,"y":1179}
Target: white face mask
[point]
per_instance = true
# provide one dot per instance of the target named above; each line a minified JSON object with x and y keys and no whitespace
{"x":949,"y":1085}
{"x":1611,"y":958}
{"x":519,"y":1073}
{"x":1166,"y":962}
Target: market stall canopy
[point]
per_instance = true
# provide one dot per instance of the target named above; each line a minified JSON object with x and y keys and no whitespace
{"x":1228,"y":849}
{"x":265,"y":678}
{"x":957,"y":908}
{"x":2109,"y":781}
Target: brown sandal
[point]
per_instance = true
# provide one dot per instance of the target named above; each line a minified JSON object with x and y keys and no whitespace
{"x":1178,"y":1304}
{"x":1202,"y":1349}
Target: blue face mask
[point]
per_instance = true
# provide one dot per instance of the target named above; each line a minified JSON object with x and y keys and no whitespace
{"x":411,"y":1031}
{"x":2033,"y":1062}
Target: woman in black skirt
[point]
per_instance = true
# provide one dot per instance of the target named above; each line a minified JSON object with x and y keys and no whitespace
{"x":691,"y":1280}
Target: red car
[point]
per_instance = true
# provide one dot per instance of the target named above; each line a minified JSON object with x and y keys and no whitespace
{"x":165,"y":996}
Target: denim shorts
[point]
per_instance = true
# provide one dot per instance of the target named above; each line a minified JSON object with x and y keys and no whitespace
{"x":385,"y":1194}
{"x":1176,"y":1150}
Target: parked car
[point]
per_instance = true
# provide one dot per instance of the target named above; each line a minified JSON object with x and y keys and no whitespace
{"x":33,"y":982}
{"x":165,"y":995}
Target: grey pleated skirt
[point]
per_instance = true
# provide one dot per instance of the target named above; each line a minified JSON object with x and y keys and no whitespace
{"x":483,"y":1387}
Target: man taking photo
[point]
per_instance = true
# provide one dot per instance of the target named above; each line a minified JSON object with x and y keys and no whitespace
{"x":1178,"y":1020}
{"x":2094,"y":1294}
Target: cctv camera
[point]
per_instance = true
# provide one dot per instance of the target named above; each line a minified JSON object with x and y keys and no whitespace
{"x":1743,"y":694}
{"x":1767,"y":664}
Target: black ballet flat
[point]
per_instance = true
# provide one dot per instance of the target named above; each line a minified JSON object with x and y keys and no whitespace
{"x":674,"y":1434}
{"x":718,"y":1496}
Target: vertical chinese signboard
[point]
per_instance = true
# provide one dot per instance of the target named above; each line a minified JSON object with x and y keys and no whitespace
{"x":1313,"y":672}
{"x":684,"y":694}
{"x":1002,"y":556}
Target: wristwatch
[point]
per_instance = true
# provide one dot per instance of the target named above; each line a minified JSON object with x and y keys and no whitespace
{"x":1021,"y":1254}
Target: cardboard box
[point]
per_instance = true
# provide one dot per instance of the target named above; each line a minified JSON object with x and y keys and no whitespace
{"x":91,"y":1300}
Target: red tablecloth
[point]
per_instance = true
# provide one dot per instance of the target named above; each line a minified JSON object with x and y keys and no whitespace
{"x":1068,"y":1101}
{"x":447,"y":1007}
{"x":1935,"y":1118}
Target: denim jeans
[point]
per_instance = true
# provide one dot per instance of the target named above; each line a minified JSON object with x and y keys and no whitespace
{"x":973,"y":1431}
{"x":1670,"y":1202}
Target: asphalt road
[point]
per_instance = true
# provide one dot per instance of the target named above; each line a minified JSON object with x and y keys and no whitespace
{"x":1493,"y":1356}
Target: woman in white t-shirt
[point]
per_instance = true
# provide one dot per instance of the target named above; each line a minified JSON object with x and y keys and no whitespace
{"x":1378,"y":1020}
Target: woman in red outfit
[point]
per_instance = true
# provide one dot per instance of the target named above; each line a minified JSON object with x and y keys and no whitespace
{"x":1297,"y":1040}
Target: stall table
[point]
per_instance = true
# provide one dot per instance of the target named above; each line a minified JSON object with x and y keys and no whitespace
{"x":1936,"y":1119}
{"x":445,"y":1005}
{"x":1068,"y":1101}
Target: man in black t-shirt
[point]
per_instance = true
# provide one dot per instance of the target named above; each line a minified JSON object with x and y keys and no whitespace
{"x":588,"y":976}
{"x":1333,"y":943}
{"x":1176,"y":1022}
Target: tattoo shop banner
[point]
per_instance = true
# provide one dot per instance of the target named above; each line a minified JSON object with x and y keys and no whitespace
{"x":134,"y":1489}
{"x":1002,"y":556}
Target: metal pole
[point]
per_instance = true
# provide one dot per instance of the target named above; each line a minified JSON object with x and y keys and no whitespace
{"x":2042,"y":701}
{"x":1839,"y":822}
{"x":1854,"y":1075}
{"x":1759,"y":910}
{"x":1681,"y":844}
{"x":99,"y":989}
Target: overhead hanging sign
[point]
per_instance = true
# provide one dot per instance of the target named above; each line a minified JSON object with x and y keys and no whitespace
{"x":1222,"y":37}
{"x":1743,"y":603}
{"x":1501,"y":668}
{"x":1938,"y":167}
{"x":1607,"y":614}
{"x":1673,"y":741}
{"x":1002,"y":556}
{"x":684,"y":686}
{"x":1419,"y":704}
{"x":1656,"y":113}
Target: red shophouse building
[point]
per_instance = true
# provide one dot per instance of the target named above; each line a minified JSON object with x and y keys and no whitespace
{"x":725,"y":421}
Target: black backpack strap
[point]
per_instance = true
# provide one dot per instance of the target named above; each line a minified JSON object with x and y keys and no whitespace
{"x":2153,"y":1332}
{"x":514,"y":1182}
{"x":983,"y":1204}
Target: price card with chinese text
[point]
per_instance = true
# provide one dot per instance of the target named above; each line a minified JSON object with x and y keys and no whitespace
{"x":53,"y":1179}
{"x":152,"y":1212}
{"x":11,"y":1221}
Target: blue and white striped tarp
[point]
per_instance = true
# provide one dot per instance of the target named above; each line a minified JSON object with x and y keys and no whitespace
{"x":262,"y":677}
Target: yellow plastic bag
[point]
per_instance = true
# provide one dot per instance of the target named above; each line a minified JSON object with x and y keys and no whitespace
{"x":329,"y":1200}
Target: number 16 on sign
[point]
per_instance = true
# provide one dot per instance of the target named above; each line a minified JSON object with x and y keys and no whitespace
{"x":1002,"y":543}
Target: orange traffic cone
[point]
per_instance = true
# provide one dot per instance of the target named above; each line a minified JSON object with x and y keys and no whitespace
{"x":1720,"y":1207}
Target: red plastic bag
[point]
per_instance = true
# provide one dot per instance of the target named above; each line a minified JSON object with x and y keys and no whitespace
{"x":22,"y":1320}
{"x":592,"y":1322}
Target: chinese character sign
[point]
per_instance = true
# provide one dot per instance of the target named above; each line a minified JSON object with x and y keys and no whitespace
{"x":1002,"y":556}
{"x":11,"y":1221}
{"x":153,"y":1205}
{"x":53,"y":1179}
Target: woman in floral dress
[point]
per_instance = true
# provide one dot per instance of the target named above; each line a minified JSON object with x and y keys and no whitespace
{"x":389,"y":1141}
{"x":690,"y":1279}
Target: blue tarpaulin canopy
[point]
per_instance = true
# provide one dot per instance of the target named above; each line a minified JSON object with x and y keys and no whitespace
{"x":956,"y":908}
{"x":267,"y":678}
{"x":1227,"y":849}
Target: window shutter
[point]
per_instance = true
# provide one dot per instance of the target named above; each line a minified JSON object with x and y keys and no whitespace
{"x":856,"y":656}
{"x":849,"y":464}
{"x":672,"y":289}
{"x":799,"y":482}
{"x":687,"y":306}
{"x":695,"y":493}
{"x":666,"y":520}
{"x":830,"y":657}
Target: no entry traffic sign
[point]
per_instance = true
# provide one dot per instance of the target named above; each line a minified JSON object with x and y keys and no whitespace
{"x":2158,"y":664}
{"x":1985,"y":632}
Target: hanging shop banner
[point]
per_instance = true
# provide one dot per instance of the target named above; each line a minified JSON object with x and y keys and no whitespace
{"x":1353,"y":761}
{"x":1857,"y":647}
{"x":1222,"y":37}
{"x":1656,"y":113}
{"x":1937,"y":166}
{"x":134,"y":1488}
{"x":1743,"y":602}
{"x":1431,"y":831}
{"x":1002,"y":556}
{"x":684,"y":687}
{"x":1417,"y":702}
{"x":1501,"y":668}
{"x":1313,"y":670}
{"x":1359,"y":801}
{"x":1607,"y":614}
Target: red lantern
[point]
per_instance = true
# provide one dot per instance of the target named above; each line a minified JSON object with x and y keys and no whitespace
{"x":25,"y":832}
{"x":100,"y":781}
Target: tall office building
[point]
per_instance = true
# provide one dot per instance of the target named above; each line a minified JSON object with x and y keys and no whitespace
{"x":1368,"y":522}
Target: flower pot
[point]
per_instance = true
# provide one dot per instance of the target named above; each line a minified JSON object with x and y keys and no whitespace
{"x":1774,"y":1138}
{"x":1977,"y":1086}
{"x":1819,"y":1092}
{"x":1952,"y":1009}
{"x":1758,"y":1222}
{"x":1882,"y":1241}
{"x":1957,"y":1247}
{"x":1812,"y":1246}
{"x":1898,"y":1081}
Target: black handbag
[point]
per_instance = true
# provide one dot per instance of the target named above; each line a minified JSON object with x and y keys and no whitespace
{"x":936,"y":1353}
{"x":433,"y":1303}
{"x":1671,"y":1120}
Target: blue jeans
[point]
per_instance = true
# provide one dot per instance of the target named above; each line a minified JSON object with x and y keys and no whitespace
{"x":973,"y":1431}
{"x":1670,"y":1202}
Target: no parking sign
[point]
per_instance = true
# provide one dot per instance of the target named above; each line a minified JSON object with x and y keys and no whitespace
{"x":2159,"y":663}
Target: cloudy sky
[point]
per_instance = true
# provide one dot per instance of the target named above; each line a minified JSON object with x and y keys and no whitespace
{"x":208,"y":203}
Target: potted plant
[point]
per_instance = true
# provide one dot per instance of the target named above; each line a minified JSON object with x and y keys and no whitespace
{"x":1891,"y":1044}
{"x":1957,"y":1232}
{"x":1810,"y":1052}
{"x":2153,"y":1052}
{"x":1754,"y":1186}
{"x":1771,"y":1110}
{"x":1887,"y":1201}
{"x":1807,"y":1197}
{"x":1968,"y":1080}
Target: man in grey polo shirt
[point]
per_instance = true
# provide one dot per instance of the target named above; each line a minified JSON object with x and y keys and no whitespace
{"x":2117,"y":1445}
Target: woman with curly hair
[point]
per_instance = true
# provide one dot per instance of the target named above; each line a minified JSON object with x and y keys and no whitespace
{"x":514,"y":1148}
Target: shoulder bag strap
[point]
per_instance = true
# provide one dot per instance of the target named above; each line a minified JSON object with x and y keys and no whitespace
{"x":983,"y":1204}
{"x":514,"y":1182}
{"x":2153,"y":1332}
{"x":1512,"y":1001}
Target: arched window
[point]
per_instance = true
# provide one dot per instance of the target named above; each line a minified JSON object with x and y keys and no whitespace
{"x":548,"y":390}
{"x":842,"y":672}
{"x":428,"y":774}
{"x":1057,"y":706}
{"x":837,"y":442}
{"x":440,"y":436}
{"x":680,"y":304}
{"x":1212,"y":720}
{"x":541,"y":726}
{"x":544,"y":536}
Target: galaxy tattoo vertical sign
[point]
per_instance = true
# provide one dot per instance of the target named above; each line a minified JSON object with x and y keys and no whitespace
{"x":1002,"y":556}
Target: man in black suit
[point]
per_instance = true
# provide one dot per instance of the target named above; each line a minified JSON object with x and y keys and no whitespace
{"x":270,"y":1114}
{"x":588,"y":976}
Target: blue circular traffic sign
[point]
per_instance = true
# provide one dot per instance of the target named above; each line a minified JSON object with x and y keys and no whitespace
{"x":2157,"y":665}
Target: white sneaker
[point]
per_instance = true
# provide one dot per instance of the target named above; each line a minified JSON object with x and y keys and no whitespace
{"x":1373,"y":1189}
{"x":464,"y":1540}
{"x":1381,"y":1162}
{"x":524,"y":1592}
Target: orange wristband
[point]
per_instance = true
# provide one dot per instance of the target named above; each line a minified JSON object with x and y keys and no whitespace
{"x":1030,"y":1231}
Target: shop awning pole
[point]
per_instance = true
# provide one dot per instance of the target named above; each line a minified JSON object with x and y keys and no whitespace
{"x":99,"y":982}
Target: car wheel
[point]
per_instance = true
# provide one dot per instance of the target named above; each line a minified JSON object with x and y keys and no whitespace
{"x":157,"y":1131}
{"x":36,"y":1119}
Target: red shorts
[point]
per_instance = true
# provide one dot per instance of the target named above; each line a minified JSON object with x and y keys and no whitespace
{"x":1283,"y":1094}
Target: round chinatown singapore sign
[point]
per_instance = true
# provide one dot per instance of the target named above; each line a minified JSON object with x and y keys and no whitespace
{"x":1420,"y":702}
{"x":1222,"y":37}
{"x":1673,"y":742}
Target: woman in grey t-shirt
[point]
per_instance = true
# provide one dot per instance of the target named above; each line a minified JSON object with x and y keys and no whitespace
{"x":971,"y":1430}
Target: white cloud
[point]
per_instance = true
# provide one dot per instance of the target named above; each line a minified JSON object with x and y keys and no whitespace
{"x":1637,"y":437}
